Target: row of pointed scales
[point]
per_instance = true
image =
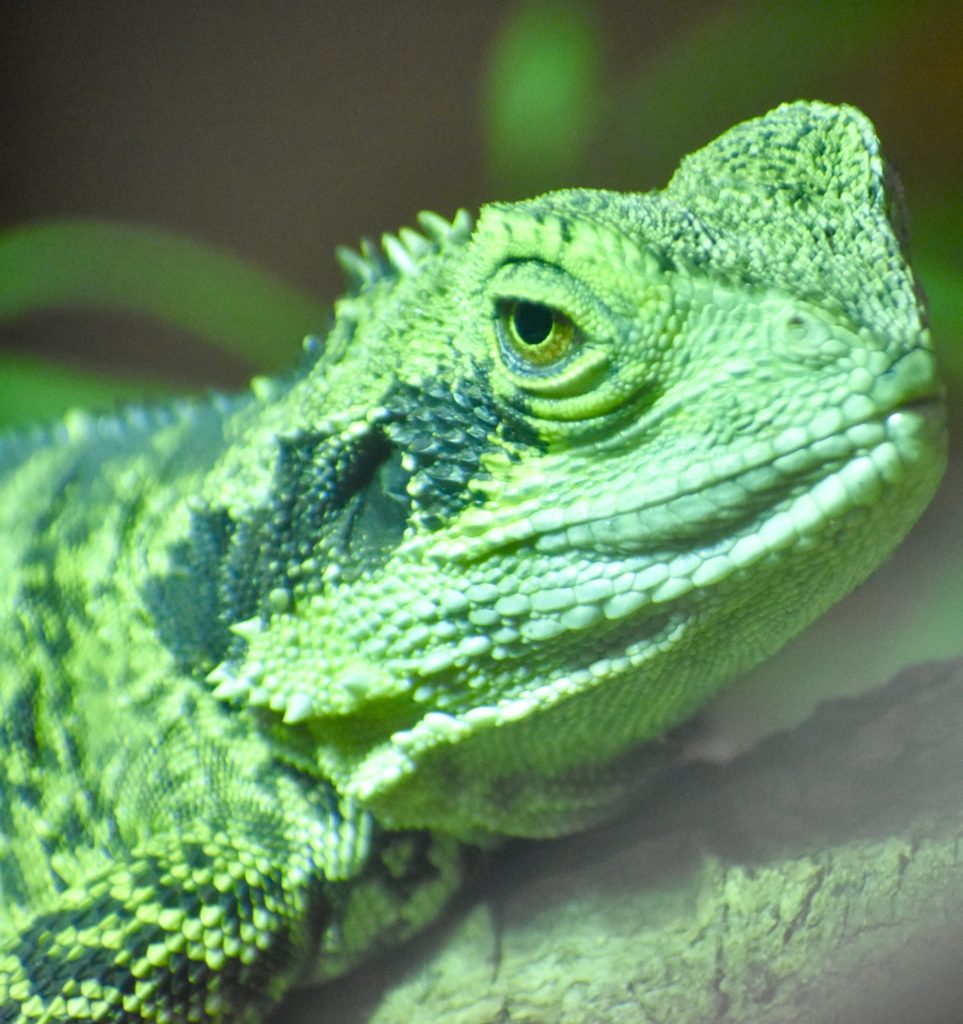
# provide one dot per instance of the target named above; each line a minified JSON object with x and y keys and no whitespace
{"x":399,"y":254}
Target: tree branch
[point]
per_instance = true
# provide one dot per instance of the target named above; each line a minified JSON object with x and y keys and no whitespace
{"x":816,"y":878}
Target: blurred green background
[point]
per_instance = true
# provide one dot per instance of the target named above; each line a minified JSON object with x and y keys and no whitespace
{"x":178,"y":174}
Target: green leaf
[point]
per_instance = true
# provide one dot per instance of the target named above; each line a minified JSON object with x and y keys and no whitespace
{"x":736,"y":62}
{"x":943,"y":285}
{"x":33,"y":390}
{"x":541,"y":96}
{"x":204,"y":290}
{"x":937,"y":227}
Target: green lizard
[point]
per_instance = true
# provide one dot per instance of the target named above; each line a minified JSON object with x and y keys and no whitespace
{"x":269,"y":662}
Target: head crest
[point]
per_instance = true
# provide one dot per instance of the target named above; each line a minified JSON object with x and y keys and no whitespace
{"x":401,"y":253}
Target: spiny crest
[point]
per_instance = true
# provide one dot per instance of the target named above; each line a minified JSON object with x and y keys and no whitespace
{"x":401,"y":253}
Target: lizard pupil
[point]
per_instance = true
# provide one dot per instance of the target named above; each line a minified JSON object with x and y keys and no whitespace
{"x":533,"y":334}
{"x":532,"y":322}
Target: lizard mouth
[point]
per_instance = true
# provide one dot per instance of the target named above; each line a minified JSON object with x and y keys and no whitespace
{"x":843,"y":457}
{"x":779,"y":495}
{"x":846,"y":456}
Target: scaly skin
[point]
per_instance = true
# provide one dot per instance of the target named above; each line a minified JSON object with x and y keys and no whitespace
{"x":269,"y":661}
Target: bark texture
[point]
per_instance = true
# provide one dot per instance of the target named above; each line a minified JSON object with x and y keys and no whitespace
{"x":817,"y":878}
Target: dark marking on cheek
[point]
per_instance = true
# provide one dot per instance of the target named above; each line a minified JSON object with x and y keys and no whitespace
{"x":187,"y":603}
{"x":446,"y":428}
{"x":340,"y":506}
{"x":335,"y":502}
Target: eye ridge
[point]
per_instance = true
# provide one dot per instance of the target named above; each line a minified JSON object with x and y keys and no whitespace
{"x":536,"y":333}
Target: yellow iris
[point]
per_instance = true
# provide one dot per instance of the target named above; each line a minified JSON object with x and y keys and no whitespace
{"x":540,"y":335}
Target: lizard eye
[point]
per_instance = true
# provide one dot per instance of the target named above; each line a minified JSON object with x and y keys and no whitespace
{"x":536,"y":334}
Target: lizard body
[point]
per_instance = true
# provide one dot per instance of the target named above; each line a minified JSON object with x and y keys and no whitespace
{"x":269,"y":661}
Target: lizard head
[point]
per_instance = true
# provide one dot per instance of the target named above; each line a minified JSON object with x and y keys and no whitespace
{"x":587,"y":461}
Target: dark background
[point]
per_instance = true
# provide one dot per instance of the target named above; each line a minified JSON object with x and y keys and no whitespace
{"x":281,"y":130}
